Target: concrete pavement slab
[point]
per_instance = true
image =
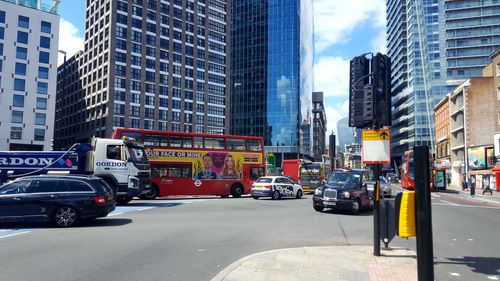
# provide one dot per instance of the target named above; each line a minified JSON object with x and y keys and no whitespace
{"x":336,"y":263}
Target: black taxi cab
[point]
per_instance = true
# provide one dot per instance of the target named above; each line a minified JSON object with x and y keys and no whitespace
{"x":345,"y":189}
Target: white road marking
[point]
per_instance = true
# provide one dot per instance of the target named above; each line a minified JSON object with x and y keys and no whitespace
{"x":492,"y":277}
{"x":454,"y":239}
{"x":447,"y":202}
{"x":114,"y":214}
{"x":470,"y":239}
{"x":14,"y":234}
{"x":435,"y":195}
{"x":142,"y":209}
{"x":454,"y":274}
{"x":465,"y":206}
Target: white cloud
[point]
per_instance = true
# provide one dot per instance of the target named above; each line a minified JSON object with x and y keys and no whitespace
{"x":69,"y":41}
{"x":331,"y":76}
{"x":335,"y":20}
{"x":334,"y":114}
{"x":379,"y":43}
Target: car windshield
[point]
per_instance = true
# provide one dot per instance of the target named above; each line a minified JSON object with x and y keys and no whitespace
{"x":344,"y":178}
{"x":264,"y":180}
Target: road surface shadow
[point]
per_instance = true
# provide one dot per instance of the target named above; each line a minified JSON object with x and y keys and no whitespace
{"x":484,"y":265}
{"x":100,"y":222}
{"x":348,"y":212}
{"x":153,"y":204}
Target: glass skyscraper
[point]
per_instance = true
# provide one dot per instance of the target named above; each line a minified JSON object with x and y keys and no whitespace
{"x":434,"y":45}
{"x":272,"y":70}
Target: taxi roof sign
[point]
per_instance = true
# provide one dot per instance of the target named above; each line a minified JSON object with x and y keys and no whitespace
{"x":381,"y":134}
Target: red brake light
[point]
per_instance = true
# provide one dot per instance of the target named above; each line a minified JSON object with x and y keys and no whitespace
{"x":99,"y":200}
{"x":268,"y":186}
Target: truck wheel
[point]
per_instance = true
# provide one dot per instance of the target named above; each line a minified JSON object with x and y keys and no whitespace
{"x":112,"y":185}
{"x":237,"y":190}
{"x":123,"y":200}
{"x":152,"y":194}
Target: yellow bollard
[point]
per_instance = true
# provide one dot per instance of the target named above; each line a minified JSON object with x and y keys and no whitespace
{"x":406,"y":215}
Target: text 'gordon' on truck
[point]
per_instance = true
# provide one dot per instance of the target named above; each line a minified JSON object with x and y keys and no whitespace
{"x":120,"y":162}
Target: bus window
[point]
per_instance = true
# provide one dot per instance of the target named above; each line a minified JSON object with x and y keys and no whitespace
{"x":155,"y":140}
{"x":175,"y":141}
{"x":198,"y":142}
{"x":254,"y":145}
{"x":214,"y":143}
{"x":187,"y":142}
{"x":180,"y":171}
{"x":235,"y":144}
{"x":256,"y":173}
{"x":135,"y":135}
{"x":158,"y":171}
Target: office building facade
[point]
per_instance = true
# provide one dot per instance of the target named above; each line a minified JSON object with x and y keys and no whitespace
{"x":272,"y":71}
{"x":155,"y":65}
{"x":28,"y":61}
{"x":319,"y":126}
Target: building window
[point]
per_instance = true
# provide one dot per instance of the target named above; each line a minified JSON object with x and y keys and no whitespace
{"x":17,"y":116}
{"x":45,"y":42}
{"x":40,"y":119}
{"x":21,"y":53}
{"x":22,"y":37}
{"x":16,"y":133}
{"x":39,"y":134}
{"x":2,"y":16}
{"x":45,"y":27}
{"x":23,"y":22}
{"x":43,"y":72}
{"x":42,"y":88}
{"x":43,"y":57}
{"x":41,"y":103}
{"x":19,"y":85}
{"x":20,"y":69}
{"x":118,"y":121}
{"x":18,"y":101}
{"x":134,"y":123}
{"x":149,"y":124}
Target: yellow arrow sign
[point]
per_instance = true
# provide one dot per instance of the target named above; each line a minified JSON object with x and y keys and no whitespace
{"x":382,"y":134}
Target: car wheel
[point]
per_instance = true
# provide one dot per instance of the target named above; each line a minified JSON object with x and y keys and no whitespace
{"x":151,"y":195}
{"x":299,"y":194}
{"x":65,"y":216}
{"x":356,"y":205}
{"x":237,"y":190}
{"x":123,"y":200}
{"x":318,"y":208}
{"x":276,"y":195}
{"x":255,"y":197}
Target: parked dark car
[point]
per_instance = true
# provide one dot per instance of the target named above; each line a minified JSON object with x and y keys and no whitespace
{"x":345,"y":189}
{"x":62,"y":199}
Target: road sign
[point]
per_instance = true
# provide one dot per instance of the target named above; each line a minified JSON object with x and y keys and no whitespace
{"x":376,"y":146}
{"x":382,"y":134}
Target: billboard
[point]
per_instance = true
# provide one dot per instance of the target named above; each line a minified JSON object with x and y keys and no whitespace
{"x":477,"y":157}
{"x":29,"y":160}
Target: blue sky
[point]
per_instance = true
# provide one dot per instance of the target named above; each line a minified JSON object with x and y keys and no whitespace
{"x":343,"y":30}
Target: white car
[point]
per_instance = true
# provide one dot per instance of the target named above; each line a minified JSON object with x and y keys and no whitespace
{"x":276,"y":187}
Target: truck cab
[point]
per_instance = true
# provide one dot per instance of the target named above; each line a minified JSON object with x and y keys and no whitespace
{"x":123,"y":165}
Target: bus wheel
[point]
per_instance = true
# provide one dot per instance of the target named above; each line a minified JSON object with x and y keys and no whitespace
{"x":237,"y":190}
{"x":152,"y":194}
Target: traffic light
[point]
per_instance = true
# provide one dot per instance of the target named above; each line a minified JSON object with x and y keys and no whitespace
{"x":359,"y":77}
{"x":381,"y":70}
{"x":370,"y":92}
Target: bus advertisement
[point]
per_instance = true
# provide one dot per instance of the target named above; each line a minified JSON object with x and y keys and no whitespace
{"x":199,"y":164}
{"x":408,"y":170}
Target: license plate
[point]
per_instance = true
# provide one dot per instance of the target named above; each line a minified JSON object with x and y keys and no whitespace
{"x":329,"y":203}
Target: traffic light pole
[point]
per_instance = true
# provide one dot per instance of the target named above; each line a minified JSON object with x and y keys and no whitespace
{"x":376,"y":211}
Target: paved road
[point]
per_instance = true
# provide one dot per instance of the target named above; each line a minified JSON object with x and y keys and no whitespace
{"x":195,"y":239}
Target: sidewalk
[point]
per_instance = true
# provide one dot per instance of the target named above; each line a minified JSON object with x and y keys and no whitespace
{"x":333,"y":263}
{"x":494,"y":198}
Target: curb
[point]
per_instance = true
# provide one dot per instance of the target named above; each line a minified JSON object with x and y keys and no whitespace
{"x":480,"y":197}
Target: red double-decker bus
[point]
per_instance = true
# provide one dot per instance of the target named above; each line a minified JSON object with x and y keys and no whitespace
{"x":199,"y":164}
{"x":408,"y":170}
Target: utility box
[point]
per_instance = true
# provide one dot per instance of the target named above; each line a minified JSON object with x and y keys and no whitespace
{"x":387,"y":220}
{"x":405,"y":214}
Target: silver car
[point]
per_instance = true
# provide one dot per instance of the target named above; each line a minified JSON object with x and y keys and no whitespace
{"x":385,"y":187}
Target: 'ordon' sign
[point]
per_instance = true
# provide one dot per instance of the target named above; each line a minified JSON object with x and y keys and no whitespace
{"x":13,"y":160}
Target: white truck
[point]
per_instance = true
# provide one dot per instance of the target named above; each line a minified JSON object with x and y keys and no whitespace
{"x":120,"y":162}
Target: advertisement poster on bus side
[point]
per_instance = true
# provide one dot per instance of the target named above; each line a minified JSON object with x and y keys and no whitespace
{"x":207,"y":165}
